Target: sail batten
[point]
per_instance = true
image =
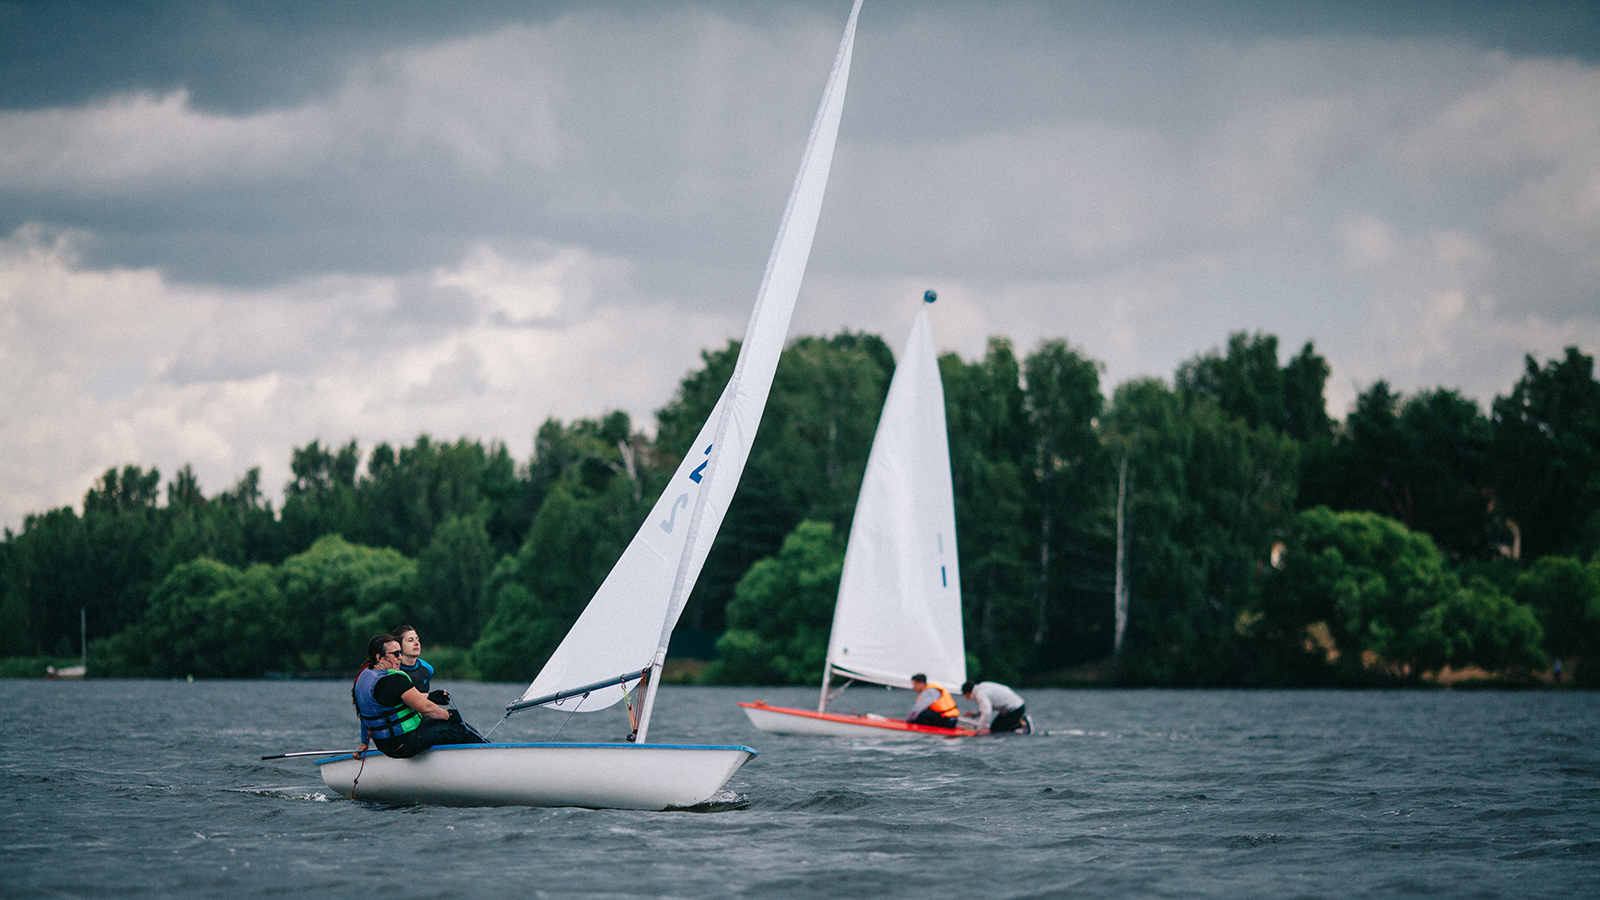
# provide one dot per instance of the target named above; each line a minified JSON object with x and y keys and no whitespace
{"x":629,"y":621}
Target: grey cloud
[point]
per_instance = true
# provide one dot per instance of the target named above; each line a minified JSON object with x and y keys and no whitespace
{"x":461,"y":378}
{"x":421,"y":304}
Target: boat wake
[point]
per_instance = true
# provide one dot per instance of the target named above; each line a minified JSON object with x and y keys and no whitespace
{"x":285,"y":793}
{"x":721,"y":801}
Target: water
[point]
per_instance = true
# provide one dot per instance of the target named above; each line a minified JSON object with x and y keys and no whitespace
{"x":154,"y":788}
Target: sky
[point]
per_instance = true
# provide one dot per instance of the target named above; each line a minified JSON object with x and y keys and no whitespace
{"x":228,"y":229}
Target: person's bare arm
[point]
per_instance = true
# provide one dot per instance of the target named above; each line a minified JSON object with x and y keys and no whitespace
{"x":419,"y":701}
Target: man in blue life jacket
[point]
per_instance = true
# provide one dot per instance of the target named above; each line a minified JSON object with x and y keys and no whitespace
{"x":412,"y":663}
{"x":1000,"y":709}
{"x":934,"y":705}
{"x":397,"y":717}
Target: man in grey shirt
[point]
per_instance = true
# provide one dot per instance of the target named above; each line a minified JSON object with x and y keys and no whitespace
{"x":999,"y":707}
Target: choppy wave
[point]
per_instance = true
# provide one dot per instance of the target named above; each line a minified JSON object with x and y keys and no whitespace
{"x":1204,"y":794}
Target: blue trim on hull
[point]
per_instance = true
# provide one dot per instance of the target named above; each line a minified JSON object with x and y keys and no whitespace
{"x":748,"y":750}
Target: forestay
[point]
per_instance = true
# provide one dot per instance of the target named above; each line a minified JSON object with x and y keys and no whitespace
{"x":627,"y":624}
{"x":899,"y":607}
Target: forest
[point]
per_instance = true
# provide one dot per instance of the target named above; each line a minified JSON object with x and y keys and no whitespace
{"x":1421,"y":539}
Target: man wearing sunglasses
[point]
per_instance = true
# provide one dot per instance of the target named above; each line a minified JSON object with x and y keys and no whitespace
{"x":395,"y":715}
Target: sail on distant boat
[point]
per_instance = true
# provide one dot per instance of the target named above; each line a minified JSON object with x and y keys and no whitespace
{"x":899,"y":605}
{"x":619,"y":643}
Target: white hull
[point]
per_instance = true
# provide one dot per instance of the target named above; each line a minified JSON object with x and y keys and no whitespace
{"x":600,"y":776}
{"x":782,"y":720}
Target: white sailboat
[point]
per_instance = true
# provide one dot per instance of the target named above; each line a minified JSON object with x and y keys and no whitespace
{"x":899,"y":606}
{"x":620,"y":641}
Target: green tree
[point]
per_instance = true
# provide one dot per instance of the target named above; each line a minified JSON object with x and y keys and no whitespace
{"x":992,"y":454}
{"x":782,"y":612}
{"x":1069,"y":481}
{"x":46,"y":583}
{"x":1476,"y":625}
{"x":518,"y":637}
{"x":1565,"y":595}
{"x":337,"y":595}
{"x":122,"y":536}
{"x":1208,"y":495}
{"x":452,"y":572}
{"x":1388,"y":602}
{"x":1547,"y":456}
{"x":206,"y":619}
{"x":407,"y":495}
{"x":1248,"y":383}
{"x":1424,"y":461}
{"x":510,"y":498}
{"x":236,"y":527}
{"x":321,"y":500}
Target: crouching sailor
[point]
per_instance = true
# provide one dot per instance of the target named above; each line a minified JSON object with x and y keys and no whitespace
{"x":999,"y":707}
{"x":397,"y":717}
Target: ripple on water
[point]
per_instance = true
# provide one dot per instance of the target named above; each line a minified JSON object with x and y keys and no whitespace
{"x":835,"y":801}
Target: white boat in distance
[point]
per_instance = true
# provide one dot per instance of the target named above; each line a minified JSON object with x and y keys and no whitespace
{"x":899,"y":606}
{"x":620,"y":641}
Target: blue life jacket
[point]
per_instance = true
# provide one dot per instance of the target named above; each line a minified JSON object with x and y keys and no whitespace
{"x":381,"y":722}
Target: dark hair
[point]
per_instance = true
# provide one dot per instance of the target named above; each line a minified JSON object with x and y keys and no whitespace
{"x":967,"y":688}
{"x":374,"y":653}
{"x":375,"y":647}
{"x":920,"y":677}
{"x":402,"y":629}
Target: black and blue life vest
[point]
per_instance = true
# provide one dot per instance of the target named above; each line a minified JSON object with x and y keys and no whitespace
{"x":382,"y":722}
{"x":420,"y":673}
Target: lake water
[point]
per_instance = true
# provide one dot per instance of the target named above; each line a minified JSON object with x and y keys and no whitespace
{"x":155,"y":788}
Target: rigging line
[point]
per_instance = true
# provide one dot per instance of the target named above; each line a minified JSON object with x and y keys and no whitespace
{"x":570,"y":714}
{"x":497,"y":725}
{"x":835,"y":695}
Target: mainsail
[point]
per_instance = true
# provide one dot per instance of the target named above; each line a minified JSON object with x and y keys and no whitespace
{"x":899,"y":607}
{"x":627,"y":625}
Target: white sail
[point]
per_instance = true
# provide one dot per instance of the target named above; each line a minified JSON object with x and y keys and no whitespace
{"x":899,"y":608}
{"x":627,"y":624}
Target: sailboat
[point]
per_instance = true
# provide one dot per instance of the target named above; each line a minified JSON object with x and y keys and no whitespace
{"x":618,"y":644}
{"x":899,"y":606}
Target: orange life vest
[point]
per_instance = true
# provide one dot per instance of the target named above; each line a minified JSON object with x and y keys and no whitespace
{"x":946,"y":704}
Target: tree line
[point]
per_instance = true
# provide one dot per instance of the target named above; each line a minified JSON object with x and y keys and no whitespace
{"x":1265,"y":543}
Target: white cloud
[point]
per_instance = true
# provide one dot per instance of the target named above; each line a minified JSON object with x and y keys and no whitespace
{"x":234,"y":379}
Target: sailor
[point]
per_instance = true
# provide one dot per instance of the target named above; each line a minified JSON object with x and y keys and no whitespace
{"x":394,"y":714}
{"x":999,"y":707}
{"x":412,"y":663}
{"x":934,"y":704}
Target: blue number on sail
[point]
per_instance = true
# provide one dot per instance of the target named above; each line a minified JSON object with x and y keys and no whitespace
{"x":680,"y":503}
{"x":695,"y":475}
{"x":943,"y":582}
